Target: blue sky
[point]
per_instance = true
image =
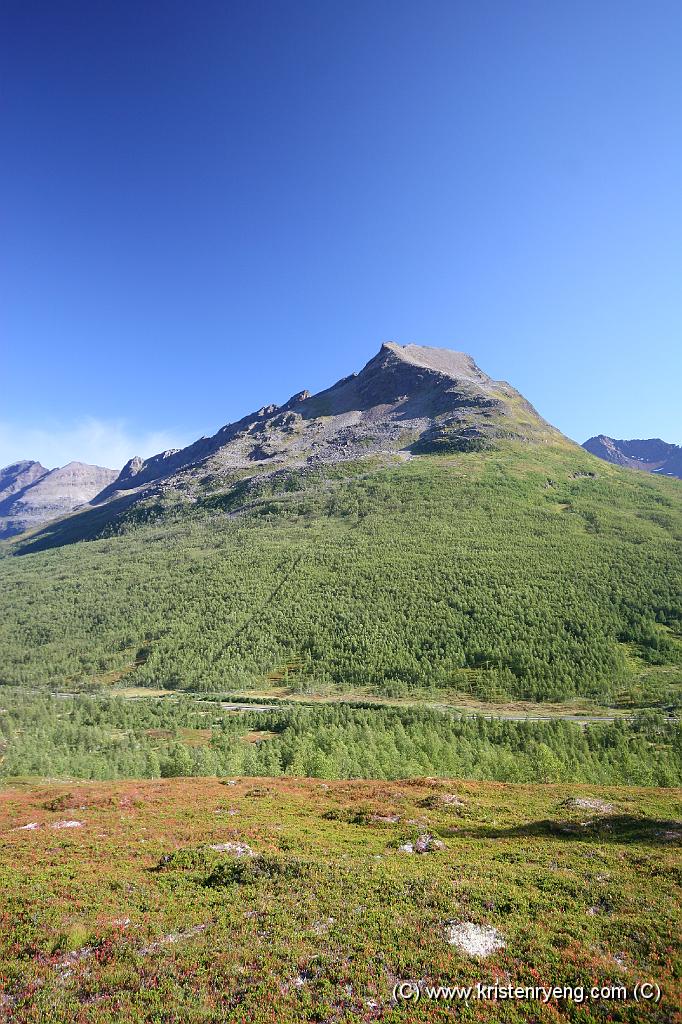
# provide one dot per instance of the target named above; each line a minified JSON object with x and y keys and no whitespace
{"x":209,"y":206}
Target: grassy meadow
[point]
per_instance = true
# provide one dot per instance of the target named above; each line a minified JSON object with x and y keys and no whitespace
{"x":131,"y":915}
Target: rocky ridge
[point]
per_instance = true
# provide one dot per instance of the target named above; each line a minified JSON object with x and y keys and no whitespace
{"x":407,"y":400}
{"x":651,"y":455}
{"x":18,"y":477}
{"x":31,"y":495}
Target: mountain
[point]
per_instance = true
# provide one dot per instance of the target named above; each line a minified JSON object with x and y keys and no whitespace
{"x":652,"y":455}
{"x":18,"y":477}
{"x":416,"y":529}
{"x":407,"y":400}
{"x":416,"y":534}
{"x":31,"y":495}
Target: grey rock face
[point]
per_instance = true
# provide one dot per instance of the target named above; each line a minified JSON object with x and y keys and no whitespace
{"x":33,"y":495}
{"x":19,"y":476}
{"x":651,"y":455}
{"x":406,"y":399}
{"x":131,"y":468}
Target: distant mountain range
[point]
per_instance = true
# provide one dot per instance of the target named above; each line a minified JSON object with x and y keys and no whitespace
{"x":408,"y":400}
{"x":31,"y":495}
{"x":651,"y":455}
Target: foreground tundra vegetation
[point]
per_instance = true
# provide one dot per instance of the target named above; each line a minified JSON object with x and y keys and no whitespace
{"x":262,"y":900}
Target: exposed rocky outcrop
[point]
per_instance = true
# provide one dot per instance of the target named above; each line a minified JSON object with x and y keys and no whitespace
{"x":31,"y":495}
{"x":19,"y":476}
{"x":407,"y":400}
{"x":651,"y":455}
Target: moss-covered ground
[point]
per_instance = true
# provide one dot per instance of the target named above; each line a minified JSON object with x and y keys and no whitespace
{"x":131,"y":916}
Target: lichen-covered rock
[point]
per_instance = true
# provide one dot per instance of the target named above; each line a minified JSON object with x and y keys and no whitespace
{"x":478,"y":940}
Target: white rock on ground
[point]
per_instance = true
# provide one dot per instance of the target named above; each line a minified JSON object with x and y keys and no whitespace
{"x":474,"y":939}
{"x":172,"y":938}
{"x":424,"y":844}
{"x":451,"y":800}
{"x":588,"y":803}
{"x":66,"y":824}
{"x":236,"y":849}
{"x":320,"y":927}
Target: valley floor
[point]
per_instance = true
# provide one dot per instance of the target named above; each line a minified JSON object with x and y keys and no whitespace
{"x":457,"y":703}
{"x":291,"y":899}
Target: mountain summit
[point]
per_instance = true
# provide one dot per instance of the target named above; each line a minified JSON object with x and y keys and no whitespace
{"x":652,"y":455}
{"x":407,"y":400}
{"x":31,"y":495}
{"x":19,"y":476}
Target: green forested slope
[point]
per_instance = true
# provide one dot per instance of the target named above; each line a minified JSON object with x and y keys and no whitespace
{"x":530,"y":571}
{"x":112,"y":737}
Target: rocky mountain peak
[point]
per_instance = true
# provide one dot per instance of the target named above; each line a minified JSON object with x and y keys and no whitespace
{"x":45,"y":494}
{"x":407,"y":400}
{"x":131,"y":468}
{"x":457,"y":365}
{"x":296,"y":399}
{"x":19,"y":476}
{"x":649,"y":454}
{"x":426,"y":381}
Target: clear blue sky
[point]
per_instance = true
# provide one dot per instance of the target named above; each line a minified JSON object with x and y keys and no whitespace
{"x":208,"y":206}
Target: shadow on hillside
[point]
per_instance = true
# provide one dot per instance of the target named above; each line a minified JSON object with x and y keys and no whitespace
{"x":85,"y":525}
{"x":619,"y":828}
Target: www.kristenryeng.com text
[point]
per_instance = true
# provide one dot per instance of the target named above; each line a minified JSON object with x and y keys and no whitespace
{"x":413,"y":991}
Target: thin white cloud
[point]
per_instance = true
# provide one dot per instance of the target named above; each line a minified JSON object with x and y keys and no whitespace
{"x":98,"y":442}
